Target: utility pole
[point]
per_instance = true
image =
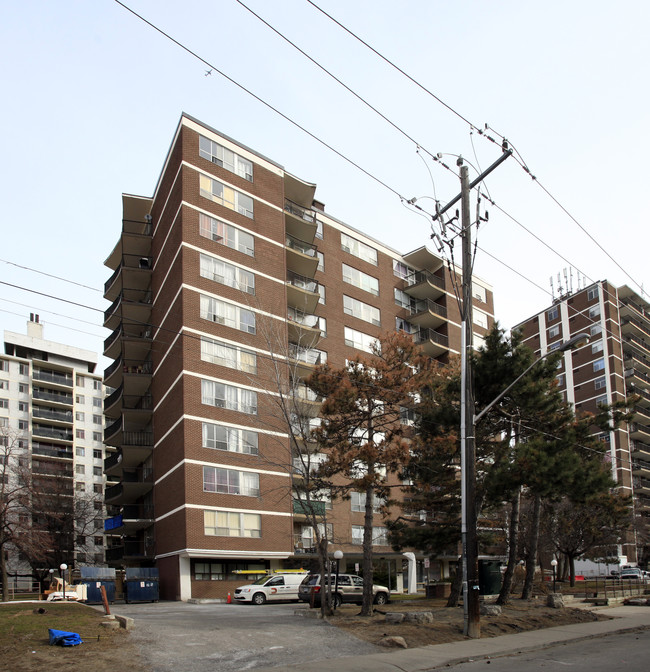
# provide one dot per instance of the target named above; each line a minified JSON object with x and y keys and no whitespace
{"x":469,"y":537}
{"x":471,"y":605}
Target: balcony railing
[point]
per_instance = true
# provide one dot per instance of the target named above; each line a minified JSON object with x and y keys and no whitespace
{"x":53,"y":377}
{"x":424,"y":335}
{"x":635,"y":306}
{"x":631,"y":338}
{"x":640,"y":324}
{"x":51,"y":414}
{"x":137,"y":439}
{"x":304,"y":319}
{"x":424,"y":276}
{"x":51,"y":450}
{"x":308,"y":508}
{"x":298,"y":211}
{"x":424,"y":305}
{"x":48,"y":395}
{"x":51,"y":432}
{"x":301,"y":246}
{"x":302,"y":281}
{"x":307,"y":355}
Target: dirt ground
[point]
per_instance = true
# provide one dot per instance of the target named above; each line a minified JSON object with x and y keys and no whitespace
{"x":24,"y":644}
{"x":518,"y":616}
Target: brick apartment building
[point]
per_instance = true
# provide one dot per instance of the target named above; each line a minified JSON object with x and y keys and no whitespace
{"x":613,"y":365}
{"x":51,"y":420}
{"x":230,"y":266}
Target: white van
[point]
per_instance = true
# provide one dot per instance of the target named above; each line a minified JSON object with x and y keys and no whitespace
{"x":279,"y":586}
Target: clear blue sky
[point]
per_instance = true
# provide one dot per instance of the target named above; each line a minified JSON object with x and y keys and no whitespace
{"x":92,"y":96}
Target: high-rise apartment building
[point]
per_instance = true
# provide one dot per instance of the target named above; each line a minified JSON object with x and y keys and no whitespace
{"x":52,"y":420}
{"x":612,"y":366}
{"x":229,"y":267}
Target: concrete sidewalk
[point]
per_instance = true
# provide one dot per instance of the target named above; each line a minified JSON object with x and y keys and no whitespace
{"x":441,"y":655}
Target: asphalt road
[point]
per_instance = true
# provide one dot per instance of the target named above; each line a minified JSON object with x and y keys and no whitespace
{"x":178,"y":636}
{"x":610,"y":653}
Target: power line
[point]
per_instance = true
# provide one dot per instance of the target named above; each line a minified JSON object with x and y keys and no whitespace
{"x":49,"y":275}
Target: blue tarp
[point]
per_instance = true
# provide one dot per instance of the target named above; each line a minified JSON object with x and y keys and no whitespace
{"x":64,"y":638}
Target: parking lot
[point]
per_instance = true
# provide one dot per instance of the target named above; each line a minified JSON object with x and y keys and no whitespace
{"x":177,"y":636}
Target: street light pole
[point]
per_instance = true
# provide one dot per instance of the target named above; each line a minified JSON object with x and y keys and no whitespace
{"x":553,"y":565}
{"x":63,"y":567}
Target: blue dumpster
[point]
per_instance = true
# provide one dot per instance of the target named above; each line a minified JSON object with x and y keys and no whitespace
{"x":141,"y":584}
{"x":96,"y":577}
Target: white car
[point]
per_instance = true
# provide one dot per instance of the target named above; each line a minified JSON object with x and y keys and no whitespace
{"x":280,"y":586}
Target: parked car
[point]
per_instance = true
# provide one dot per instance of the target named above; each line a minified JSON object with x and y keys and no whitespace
{"x":348,"y":590}
{"x":632,"y":573}
{"x":278,"y":586}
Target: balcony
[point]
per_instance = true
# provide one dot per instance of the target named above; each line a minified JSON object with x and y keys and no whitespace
{"x":52,"y":432}
{"x":53,"y":377}
{"x":131,"y":304}
{"x":118,"y":403}
{"x":298,"y":221}
{"x":637,"y":380}
{"x":52,"y":414}
{"x":433,"y":343}
{"x":636,"y":361}
{"x":304,"y":360}
{"x":302,"y":292}
{"x":303,"y":328}
{"x":134,"y":485}
{"x":304,"y":509}
{"x":129,"y":550}
{"x":64,"y":398}
{"x":639,"y":432}
{"x":130,"y":456}
{"x":52,"y":450}
{"x":301,"y":256}
{"x":637,"y":343}
{"x":134,"y":374}
{"x":134,"y":271}
{"x":635,"y":326}
{"x":427,"y":314}
{"x":130,"y":520}
{"x":424,"y":285}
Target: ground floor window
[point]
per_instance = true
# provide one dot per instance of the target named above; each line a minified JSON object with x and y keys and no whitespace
{"x":228,"y":571}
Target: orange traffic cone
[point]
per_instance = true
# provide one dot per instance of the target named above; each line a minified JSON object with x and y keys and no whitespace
{"x":229,"y":599}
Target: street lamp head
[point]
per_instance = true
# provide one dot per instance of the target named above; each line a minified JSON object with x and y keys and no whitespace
{"x":338,"y":554}
{"x":51,"y":571}
{"x":63,"y":567}
{"x":574,"y":342}
{"x":554,"y":563}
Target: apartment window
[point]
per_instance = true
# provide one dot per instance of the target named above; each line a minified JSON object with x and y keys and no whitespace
{"x":601,"y":401}
{"x":359,"y":340}
{"x":560,"y":380}
{"x":4,"y":384}
{"x":319,"y":229}
{"x":379,"y":535}
{"x":23,"y":424}
{"x":407,"y":416}
{"x":231,"y":356}
{"x":480,"y":318}
{"x":321,"y":261}
{"x":357,"y":534}
{"x":80,"y":434}
{"x":232,"y":524}
{"x":358,"y":503}
{"x":321,"y":293}
{"x":554,"y":331}
{"x":80,"y":399}
{"x":227,"y":274}
{"x":322,"y":325}
{"x":97,"y":402}
{"x":227,"y":196}
{"x":97,"y":471}
{"x":23,"y":388}
{"x":226,"y":234}
{"x":23,"y":406}
{"x":401,"y":270}
{"x":479,"y":293}
{"x":81,"y":381}
{"x":231,"y":439}
{"x":555,"y":346}
{"x":80,"y":452}
{"x":22,"y":443}
{"x":80,"y":486}
{"x":4,"y":422}
{"x":594,"y":312}
{"x":597,"y":346}
{"x":98,"y":506}
{"x":595,"y":329}
{"x":80,"y":469}
{"x":359,"y":279}
{"x":227,"y":314}
{"x":600,"y":383}
{"x":552,"y":314}
{"x":97,"y":419}
{"x":98,"y":489}
{"x":97,"y":384}
{"x":592,"y":293}
{"x":402,"y":299}
{"x":225,"y":158}
{"x":98,"y":541}
{"x":4,"y":403}
{"x":231,"y":482}
{"x":361,"y":310}
{"x":599,"y":364}
{"x":23,"y":369}
{"x":79,"y":416}
{"x":358,"y":249}
{"x":97,"y":454}
{"x":97,"y":436}
{"x":228,"y":396}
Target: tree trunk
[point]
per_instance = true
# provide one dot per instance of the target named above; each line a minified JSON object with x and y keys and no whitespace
{"x":572,"y":566}
{"x":3,"y":572}
{"x":532,"y":549}
{"x":513,"y":541}
{"x":325,"y":583}
{"x":366,"y":605}
{"x":456,"y":587}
